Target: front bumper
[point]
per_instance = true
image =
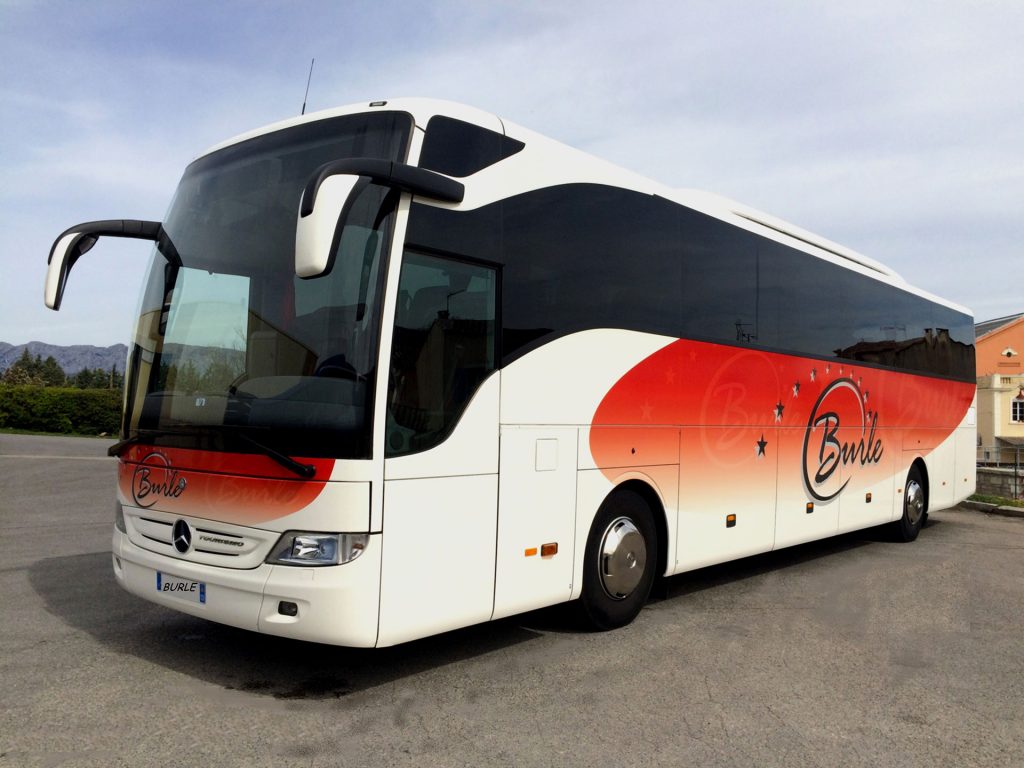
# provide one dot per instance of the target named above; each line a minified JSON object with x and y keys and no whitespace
{"x":336,"y":604}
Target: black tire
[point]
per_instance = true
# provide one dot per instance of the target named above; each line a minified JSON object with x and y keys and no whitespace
{"x":613,"y":596}
{"x":915,"y":507}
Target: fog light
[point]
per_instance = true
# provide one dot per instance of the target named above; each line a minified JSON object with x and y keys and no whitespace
{"x":287,"y":609}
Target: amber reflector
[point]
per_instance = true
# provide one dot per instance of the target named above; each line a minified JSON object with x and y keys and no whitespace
{"x":531,"y":552}
{"x":867,"y":498}
{"x":810,"y":507}
{"x":730,"y":521}
{"x":547,"y":550}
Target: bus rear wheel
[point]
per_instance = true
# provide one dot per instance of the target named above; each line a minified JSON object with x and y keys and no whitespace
{"x":915,"y":507}
{"x":621,"y":555}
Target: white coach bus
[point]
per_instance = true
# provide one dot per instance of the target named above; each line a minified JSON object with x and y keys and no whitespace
{"x":403,"y":367}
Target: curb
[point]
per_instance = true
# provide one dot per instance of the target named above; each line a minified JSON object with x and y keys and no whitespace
{"x":994,"y":509}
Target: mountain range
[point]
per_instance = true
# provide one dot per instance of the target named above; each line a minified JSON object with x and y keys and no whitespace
{"x":72,"y":359}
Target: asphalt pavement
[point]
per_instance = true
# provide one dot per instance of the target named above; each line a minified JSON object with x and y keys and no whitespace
{"x":855,"y":651}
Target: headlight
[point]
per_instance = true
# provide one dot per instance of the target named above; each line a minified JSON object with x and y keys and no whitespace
{"x":119,"y":517}
{"x":302,"y":548}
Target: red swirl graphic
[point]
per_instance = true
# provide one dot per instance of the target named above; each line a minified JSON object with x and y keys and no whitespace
{"x":736,"y":408}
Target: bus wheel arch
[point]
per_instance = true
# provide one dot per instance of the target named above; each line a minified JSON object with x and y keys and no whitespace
{"x":624,"y":552}
{"x":922,"y":469}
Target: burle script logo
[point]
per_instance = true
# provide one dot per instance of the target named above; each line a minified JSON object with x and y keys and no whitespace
{"x":155,"y":479}
{"x":840,"y":433}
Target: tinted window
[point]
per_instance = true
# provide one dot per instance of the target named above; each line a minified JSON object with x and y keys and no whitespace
{"x":720,"y":282}
{"x":461,"y":149}
{"x":888,"y":326}
{"x":589,"y":256}
{"x":444,"y":347}
{"x":805,"y":299}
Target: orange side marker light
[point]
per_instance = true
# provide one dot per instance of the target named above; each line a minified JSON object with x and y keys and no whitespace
{"x":810,"y":507}
{"x":547,"y":550}
{"x":730,"y":521}
{"x":530,"y":552}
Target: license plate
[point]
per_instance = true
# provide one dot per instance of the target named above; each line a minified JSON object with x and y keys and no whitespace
{"x":183,"y":589}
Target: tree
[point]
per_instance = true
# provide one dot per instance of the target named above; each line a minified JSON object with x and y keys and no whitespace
{"x":25,"y":371}
{"x":116,"y":379}
{"x":17,"y":376}
{"x":51,"y":373}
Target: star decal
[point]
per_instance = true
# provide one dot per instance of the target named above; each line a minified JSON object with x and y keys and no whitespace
{"x":828,"y":368}
{"x":866,"y":393}
{"x":796,"y":389}
{"x":779,"y":408}
{"x":645,"y":411}
{"x":761,"y":444}
{"x":814,"y":373}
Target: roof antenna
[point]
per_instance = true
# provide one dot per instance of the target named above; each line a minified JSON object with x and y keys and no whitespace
{"x":308,"y":79}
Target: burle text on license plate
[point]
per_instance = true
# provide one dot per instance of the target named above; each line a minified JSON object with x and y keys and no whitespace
{"x":184,"y":589}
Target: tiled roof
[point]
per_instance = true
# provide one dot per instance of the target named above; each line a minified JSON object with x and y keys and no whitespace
{"x":991,"y":325}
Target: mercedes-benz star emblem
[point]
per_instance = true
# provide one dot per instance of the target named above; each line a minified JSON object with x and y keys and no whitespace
{"x":181,"y":536}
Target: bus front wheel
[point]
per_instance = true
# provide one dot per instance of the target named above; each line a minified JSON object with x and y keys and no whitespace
{"x":915,"y":507}
{"x":621,"y":556}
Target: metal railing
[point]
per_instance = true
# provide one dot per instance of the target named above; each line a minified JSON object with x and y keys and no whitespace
{"x":1001,"y":456}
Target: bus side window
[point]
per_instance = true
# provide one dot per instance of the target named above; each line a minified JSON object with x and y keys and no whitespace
{"x":443,"y":348}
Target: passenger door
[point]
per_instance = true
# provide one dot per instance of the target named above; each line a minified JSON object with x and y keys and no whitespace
{"x":441,"y":459}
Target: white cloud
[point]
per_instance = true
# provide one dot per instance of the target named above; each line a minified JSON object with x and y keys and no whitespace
{"x":893,"y":129}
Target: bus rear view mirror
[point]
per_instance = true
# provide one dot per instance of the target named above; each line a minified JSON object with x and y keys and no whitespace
{"x":77,"y":240}
{"x":316,"y":230}
{"x":333,"y":187}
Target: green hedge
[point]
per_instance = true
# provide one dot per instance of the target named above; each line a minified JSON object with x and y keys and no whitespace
{"x":59,"y":409}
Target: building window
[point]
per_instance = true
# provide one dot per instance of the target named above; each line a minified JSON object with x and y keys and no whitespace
{"x":1017,"y":410}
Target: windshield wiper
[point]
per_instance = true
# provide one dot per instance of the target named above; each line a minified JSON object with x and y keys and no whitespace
{"x":119,"y":447}
{"x":306,"y":471}
{"x":302,"y":470}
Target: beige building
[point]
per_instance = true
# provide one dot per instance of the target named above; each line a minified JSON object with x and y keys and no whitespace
{"x":1000,"y":416}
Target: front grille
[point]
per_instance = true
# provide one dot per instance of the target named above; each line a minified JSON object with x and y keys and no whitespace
{"x":222,"y":544}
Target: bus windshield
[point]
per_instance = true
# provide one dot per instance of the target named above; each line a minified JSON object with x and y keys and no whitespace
{"x":232,"y":350}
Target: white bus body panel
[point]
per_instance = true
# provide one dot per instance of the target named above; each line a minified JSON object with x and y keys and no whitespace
{"x":440,"y":524}
{"x":438,"y":564}
{"x":877,"y":503}
{"x":704,"y":537}
{"x":536,"y":506}
{"x":587,"y":364}
{"x":956,"y":460}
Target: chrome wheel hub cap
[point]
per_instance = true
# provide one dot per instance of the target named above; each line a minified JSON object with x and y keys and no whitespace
{"x":914,"y":502}
{"x":623,"y":558}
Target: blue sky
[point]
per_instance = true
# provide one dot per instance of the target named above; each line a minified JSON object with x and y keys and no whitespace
{"x":893,"y":128}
